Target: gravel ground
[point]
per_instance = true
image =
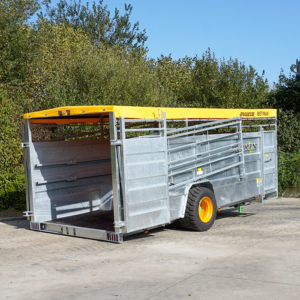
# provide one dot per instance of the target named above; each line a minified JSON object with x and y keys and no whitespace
{"x":254,"y":255}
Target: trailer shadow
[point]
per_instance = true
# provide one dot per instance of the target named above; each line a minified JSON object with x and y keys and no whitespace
{"x":232,"y":213}
{"x":142,"y":235}
{"x":229,"y":213}
{"x":17,"y":224}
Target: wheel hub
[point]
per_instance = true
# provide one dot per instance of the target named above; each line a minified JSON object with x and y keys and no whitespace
{"x":205,"y":209}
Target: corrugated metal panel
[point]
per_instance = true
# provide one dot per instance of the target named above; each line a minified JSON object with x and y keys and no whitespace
{"x":146,"y":183}
{"x":70,"y":177}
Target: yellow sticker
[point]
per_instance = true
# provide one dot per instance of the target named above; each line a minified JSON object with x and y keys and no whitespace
{"x":199,"y":169}
{"x":267,"y":155}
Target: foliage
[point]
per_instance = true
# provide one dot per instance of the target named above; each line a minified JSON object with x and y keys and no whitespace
{"x":288,"y":170}
{"x":12,"y":180}
{"x":286,"y":96}
{"x":174,"y":75}
{"x":17,"y":40}
{"x":208,"y":82}
{"x":69,"y":70}
{"x":288,"y":133}
{"x":228,"y":84}
{"x":10,"y":150}
{"x":12,"y":191}
{"x":96,"y":21}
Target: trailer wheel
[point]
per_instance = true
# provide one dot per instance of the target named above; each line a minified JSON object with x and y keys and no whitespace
{"x":201,"y":210}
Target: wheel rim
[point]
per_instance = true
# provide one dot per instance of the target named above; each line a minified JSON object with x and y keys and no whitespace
{"x":205,"y":209}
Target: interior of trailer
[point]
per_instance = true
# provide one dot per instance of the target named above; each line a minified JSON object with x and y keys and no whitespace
{"x":71,"y":170}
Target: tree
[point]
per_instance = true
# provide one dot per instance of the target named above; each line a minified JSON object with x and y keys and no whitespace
{"x":175,"y":76}
{"x":98,"y":23}
{"x":208,"y":82}
{"x":10,"y":128}
{"x":287,"y":91}
{"x":288,"y":134}
{"x":16,"y":39}
{"x":69,"y":70}
{"x":227,"y":84}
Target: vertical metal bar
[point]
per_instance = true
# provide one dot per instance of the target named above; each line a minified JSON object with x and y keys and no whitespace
{"x":122,"y":158}
{"x":101,"y":124}
{"x":275,"y":156}
{"x":208,"y":149}
{"x":61,"y":130}
{"x":27,"y":138}
{"x":261,"y":129}
{"x":186,"y":121}
{"x":169,"y":163}
{"x":195,"y":159}
{"x":24,"y":139}
{"x":166,"y":159}
{"x":115,"y":172}
{"x":242,"y":168}
{"x":159,"y":124}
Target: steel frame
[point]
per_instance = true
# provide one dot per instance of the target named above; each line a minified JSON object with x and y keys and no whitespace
{"x":180,"y":166}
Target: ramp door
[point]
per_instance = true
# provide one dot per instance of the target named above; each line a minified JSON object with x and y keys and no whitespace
{"x":145,"y":190}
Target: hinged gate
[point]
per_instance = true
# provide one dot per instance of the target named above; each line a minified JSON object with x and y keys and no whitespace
{"x":144,"y":178}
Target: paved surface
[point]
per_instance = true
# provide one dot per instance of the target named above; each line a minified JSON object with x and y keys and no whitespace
{"x":255,"y":255}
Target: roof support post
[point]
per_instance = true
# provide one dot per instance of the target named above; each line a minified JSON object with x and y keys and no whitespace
{"x":115,"y":168}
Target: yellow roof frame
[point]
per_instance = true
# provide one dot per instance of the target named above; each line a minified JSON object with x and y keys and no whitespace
{"x":136,"y":112}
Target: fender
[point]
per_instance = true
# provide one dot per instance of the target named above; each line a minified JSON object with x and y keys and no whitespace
{"x":206,"y":184}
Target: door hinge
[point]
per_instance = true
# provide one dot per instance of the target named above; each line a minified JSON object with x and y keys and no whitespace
{"x":119,"y":224}
{"x":115,"y":143}
{"x":25,"y":145}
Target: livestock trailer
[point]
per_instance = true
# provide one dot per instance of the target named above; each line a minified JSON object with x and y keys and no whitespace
{"x":104,"y":172}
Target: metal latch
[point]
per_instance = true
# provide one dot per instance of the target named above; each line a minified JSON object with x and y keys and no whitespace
{"x":25,"y":145}
{"x":28,"y":213}
{"x":115,"y":142}
{"x":119,"y":224}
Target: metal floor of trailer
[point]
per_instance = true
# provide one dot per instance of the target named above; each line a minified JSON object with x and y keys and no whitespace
{"x":100,"y":219}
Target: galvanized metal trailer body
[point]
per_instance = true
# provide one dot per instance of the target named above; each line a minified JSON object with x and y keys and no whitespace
{"x":135,"y":171}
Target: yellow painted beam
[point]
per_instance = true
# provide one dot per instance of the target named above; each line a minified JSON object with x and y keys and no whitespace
{"x":136,"y":112}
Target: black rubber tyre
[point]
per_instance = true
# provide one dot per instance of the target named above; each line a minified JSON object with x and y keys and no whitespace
{"x":191,"y":218}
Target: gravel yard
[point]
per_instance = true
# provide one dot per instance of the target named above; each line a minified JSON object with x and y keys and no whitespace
{"x":253,"y":255}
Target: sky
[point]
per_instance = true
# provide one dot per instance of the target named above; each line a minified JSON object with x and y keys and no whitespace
{"x":261,"y":33}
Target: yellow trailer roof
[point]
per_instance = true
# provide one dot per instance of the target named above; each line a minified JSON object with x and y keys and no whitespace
{"x":136,"y":112}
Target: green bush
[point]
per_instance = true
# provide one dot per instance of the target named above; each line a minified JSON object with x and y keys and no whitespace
{"x":288,"y":140}
{"x":10,"y":135}
{"x":12,"y":180}
{"x":12,"y":191}
{"x":288,"y":170}
{"x":288,"y":134}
